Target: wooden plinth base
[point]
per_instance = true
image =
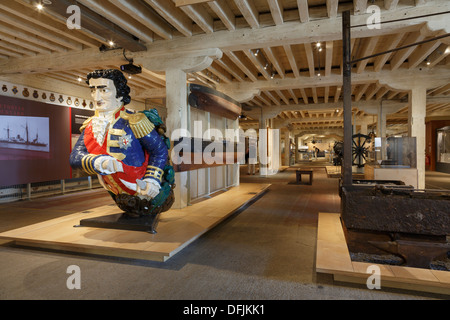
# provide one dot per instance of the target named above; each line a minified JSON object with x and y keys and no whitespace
{"x":333,"y":258}
{"x":176,"y":229}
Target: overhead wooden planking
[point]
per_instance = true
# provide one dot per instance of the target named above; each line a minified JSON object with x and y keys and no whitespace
{"x":97,"y":24}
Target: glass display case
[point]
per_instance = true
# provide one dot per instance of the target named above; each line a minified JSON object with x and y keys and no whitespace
{"x":396,"y":152}
{"x":443,"y":149}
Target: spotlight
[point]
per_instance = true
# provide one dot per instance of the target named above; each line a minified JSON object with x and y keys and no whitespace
{"x":39,"y":6}
{"x":318,"y":44}
{"x":111,"y":43}
{"x":242,"y":116}
{"x":79,"y":79}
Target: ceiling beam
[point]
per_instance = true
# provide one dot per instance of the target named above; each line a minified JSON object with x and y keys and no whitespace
{"x":292,"y":32}
{"x":276,"y":8}
{"x":303,"y":10}
{"x":173,"y":15}
{"x":223,"y":11}
{"x":97,"y":24}
{"x":146,"y":16}
{"x":249,"y":12}
{"x":180,"y":3}
{"x":200,"y":16}
{"x":287,"y":33}
{"x":428,"y":76}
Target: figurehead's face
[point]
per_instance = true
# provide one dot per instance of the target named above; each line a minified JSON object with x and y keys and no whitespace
{"x":103,"y":91}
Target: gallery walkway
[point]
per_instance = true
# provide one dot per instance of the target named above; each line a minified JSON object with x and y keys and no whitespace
{"x":266,"y":251}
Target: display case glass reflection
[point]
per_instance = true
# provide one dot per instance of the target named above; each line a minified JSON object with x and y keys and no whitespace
{"x":396,"y":152}
{"x":443,"y":145}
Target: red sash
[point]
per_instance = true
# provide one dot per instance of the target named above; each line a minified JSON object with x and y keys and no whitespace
{"x":129,"y":174}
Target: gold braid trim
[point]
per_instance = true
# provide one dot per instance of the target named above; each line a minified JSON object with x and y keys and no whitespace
{"x":154,"y":172}
{"x":88,"y":164}
{"x":140,"y":125}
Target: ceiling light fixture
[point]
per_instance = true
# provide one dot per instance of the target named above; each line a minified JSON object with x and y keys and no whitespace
{"x":256,"y":53}
{"x":39,"y":6}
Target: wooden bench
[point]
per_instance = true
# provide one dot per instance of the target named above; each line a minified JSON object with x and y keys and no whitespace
{"x":299,"y":175}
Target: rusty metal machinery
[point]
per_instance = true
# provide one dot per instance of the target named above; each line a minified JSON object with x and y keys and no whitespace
{"x":398,"y":219}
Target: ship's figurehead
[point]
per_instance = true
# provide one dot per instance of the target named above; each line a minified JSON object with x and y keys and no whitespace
{"x":128,"y":150}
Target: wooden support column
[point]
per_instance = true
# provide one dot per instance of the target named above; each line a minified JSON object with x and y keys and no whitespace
{"x":416,"y":123}
{"x":381,"y":121}
{"x":177,"y":120}
{"x":287,"y":139}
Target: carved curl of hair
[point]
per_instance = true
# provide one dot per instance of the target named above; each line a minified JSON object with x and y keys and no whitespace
{"x":120,"y":82}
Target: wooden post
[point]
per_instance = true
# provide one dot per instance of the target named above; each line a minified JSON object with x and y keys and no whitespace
{"x":178,"y":119}
{"x":347,"y":95}
{"x":416,"y":114}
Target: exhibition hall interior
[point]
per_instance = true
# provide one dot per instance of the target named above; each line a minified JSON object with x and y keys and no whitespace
{"x":225,"y":150}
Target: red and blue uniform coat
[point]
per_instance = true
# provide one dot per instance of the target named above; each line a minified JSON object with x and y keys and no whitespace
{"x":132,"y":140}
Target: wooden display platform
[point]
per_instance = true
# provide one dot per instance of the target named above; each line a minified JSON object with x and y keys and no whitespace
{"x":333,"y":258}
{"x":333,"y":171}
{"x":176,"y":229}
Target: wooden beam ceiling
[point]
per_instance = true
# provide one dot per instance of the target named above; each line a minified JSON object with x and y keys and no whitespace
{"x":284,"y":33}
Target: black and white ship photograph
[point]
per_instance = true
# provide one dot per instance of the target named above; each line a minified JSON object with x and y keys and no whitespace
{"x":25,"y":133}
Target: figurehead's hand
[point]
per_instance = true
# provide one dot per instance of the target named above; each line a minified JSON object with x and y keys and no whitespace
{"x":108,"y":165}
{"x":148,"y":187}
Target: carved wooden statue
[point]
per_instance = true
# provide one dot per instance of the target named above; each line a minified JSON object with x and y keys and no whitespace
{"x":126,"y":149}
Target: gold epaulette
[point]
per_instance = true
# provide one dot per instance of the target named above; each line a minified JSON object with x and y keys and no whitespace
{"x":85,"y":123}
{"x":140,"y":124}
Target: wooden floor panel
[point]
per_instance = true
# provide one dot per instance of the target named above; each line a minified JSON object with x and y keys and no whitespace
{"x":333,"y":258}
{"x":176,"y":228}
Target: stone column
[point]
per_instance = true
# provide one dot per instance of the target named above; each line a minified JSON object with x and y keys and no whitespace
{"x":416,"y":123}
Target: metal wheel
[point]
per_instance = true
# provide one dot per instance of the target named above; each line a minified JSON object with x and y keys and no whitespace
{"x":359,"y":149}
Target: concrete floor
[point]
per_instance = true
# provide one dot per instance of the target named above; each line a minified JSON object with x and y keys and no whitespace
{"x":265,"y":252}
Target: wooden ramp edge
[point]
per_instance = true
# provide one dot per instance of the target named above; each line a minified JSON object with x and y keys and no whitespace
{"x":333,"y":257}
{"x":333,"y":171}
{"x":176,"y":229}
